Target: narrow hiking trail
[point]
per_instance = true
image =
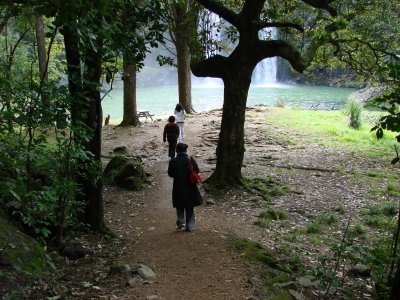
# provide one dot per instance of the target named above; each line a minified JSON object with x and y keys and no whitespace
{"x":202,"y":264}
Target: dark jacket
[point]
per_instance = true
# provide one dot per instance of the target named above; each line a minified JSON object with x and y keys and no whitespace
{"x":171,"y":132}
{"x":184,"y":193}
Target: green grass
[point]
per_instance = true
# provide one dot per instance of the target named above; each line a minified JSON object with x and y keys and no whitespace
{"x":380,"y":215}
{"x":331,"y":128}
{"x":320,"y":223}
{"x":356,"y":230}
{"x":393,"y":189}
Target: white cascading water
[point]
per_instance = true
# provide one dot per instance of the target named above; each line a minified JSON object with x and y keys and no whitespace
{"x":264,"y":73}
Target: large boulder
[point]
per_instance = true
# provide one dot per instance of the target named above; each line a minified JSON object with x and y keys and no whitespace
{"x":126,"y":172}
{"x":367,"y":94}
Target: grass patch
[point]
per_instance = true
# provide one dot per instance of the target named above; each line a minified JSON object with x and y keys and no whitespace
{"x":340,"y":209}
{"x":273,"y":214}
{"x":255,"y":251}
{"x":357,"y":230}
{"x":320,"y":223}
{"x":265,"y":187}
{"x":393,"y":189}
{"x":380,"y":215}
{"x":386,"y":208}
{"x":331,"y":128}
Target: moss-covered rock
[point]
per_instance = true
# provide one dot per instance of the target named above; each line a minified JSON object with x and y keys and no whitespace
{"x":122,"y":150}
{"x":126,"y":172}
{"x":19,"y":251}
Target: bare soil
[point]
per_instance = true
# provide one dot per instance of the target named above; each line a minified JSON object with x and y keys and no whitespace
{"x":204,"y":264}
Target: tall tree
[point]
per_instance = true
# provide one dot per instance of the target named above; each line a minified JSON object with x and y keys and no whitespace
{"x":236,"y":69}
{"x":144,"y":27}
{"x":183,"y":22}
{"x":129,"y":78}
{"x":86,"y":115}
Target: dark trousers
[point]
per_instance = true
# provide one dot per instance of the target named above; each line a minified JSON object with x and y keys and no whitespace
{"x":171,"y":148}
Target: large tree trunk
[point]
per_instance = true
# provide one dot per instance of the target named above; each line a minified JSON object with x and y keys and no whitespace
{"x":93,"y":188}
{"x":130,"y":107}
{"x":230,"y":149}
{"x":184,"y":74}
{"x":41,"y":47}
{"x":86,"y":109}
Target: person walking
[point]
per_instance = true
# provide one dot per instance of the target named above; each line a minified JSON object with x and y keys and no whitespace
{"x":180,"y":120}
{"x":170,"y":134}
{"x":185,"y":195}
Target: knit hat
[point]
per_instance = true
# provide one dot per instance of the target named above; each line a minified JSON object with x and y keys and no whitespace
{"x":181,"y":147}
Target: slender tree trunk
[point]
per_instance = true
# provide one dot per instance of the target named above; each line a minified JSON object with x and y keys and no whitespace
{"x":230,"y":149}
{"x":130,"y":107}
{"x":41,"y":46}
{"x":185,"y":16}
{"x":184,"y":74}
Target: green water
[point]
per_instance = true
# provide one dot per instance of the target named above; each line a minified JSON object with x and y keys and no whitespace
{"x":162,"y":99}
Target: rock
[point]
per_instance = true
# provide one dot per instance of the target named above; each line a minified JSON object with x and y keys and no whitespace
{"x":296,"y":295}
{"x":120,"y":150}
{"x":126,"y":172}
{"x":210,"y":201}
{"x":19,"y":251}
{"x":133,"y":281}
{"x":143,"y":271}
{"x":366,"y":94}
{"x":305,"y":281}
{"x":120,"y":268}
{"x":74,"y":251}
{"x":146,"y":273}
{"x":152,"y":297}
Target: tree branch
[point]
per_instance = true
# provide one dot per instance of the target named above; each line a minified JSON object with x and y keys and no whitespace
{"x":252,"y":9}
{"x":220,"y":10}
{"x":211,"y":67}
{"x":266,"y":49}
{"x":322,"y":4}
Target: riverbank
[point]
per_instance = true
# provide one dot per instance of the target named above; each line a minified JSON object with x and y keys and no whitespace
{"x":162,"y":100}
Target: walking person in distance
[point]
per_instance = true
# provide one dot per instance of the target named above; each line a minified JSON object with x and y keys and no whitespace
{"x":170,"y":134}
{"x":185,"y":195}
{"x":180,"y":120}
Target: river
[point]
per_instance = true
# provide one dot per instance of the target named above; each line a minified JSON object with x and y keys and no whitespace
{"x":161,"y":100}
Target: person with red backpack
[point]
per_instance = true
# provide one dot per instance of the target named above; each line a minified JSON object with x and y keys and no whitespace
{"x":185,"y":194}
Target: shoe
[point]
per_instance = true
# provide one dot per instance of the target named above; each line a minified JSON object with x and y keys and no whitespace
{"x":181,"y":226}
{"x":187,"y":229}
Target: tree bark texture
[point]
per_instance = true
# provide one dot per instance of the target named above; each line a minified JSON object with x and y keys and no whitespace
{"x":93,"y":188}
{"x":183,"y":29}
{"x":130,"y":117}
{"x":230,"y":148}
{"x":184,"y":75}
{"x":86,"y":109}
{"x":41,"y":48}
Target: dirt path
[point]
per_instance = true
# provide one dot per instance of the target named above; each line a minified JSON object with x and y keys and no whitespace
{"x":204,"y":264}
{"x":201,"y":264}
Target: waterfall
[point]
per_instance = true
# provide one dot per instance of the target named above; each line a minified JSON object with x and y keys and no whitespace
{"x":265,"y":71}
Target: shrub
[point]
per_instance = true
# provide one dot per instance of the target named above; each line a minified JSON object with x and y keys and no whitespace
{"x":354,"y":111}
